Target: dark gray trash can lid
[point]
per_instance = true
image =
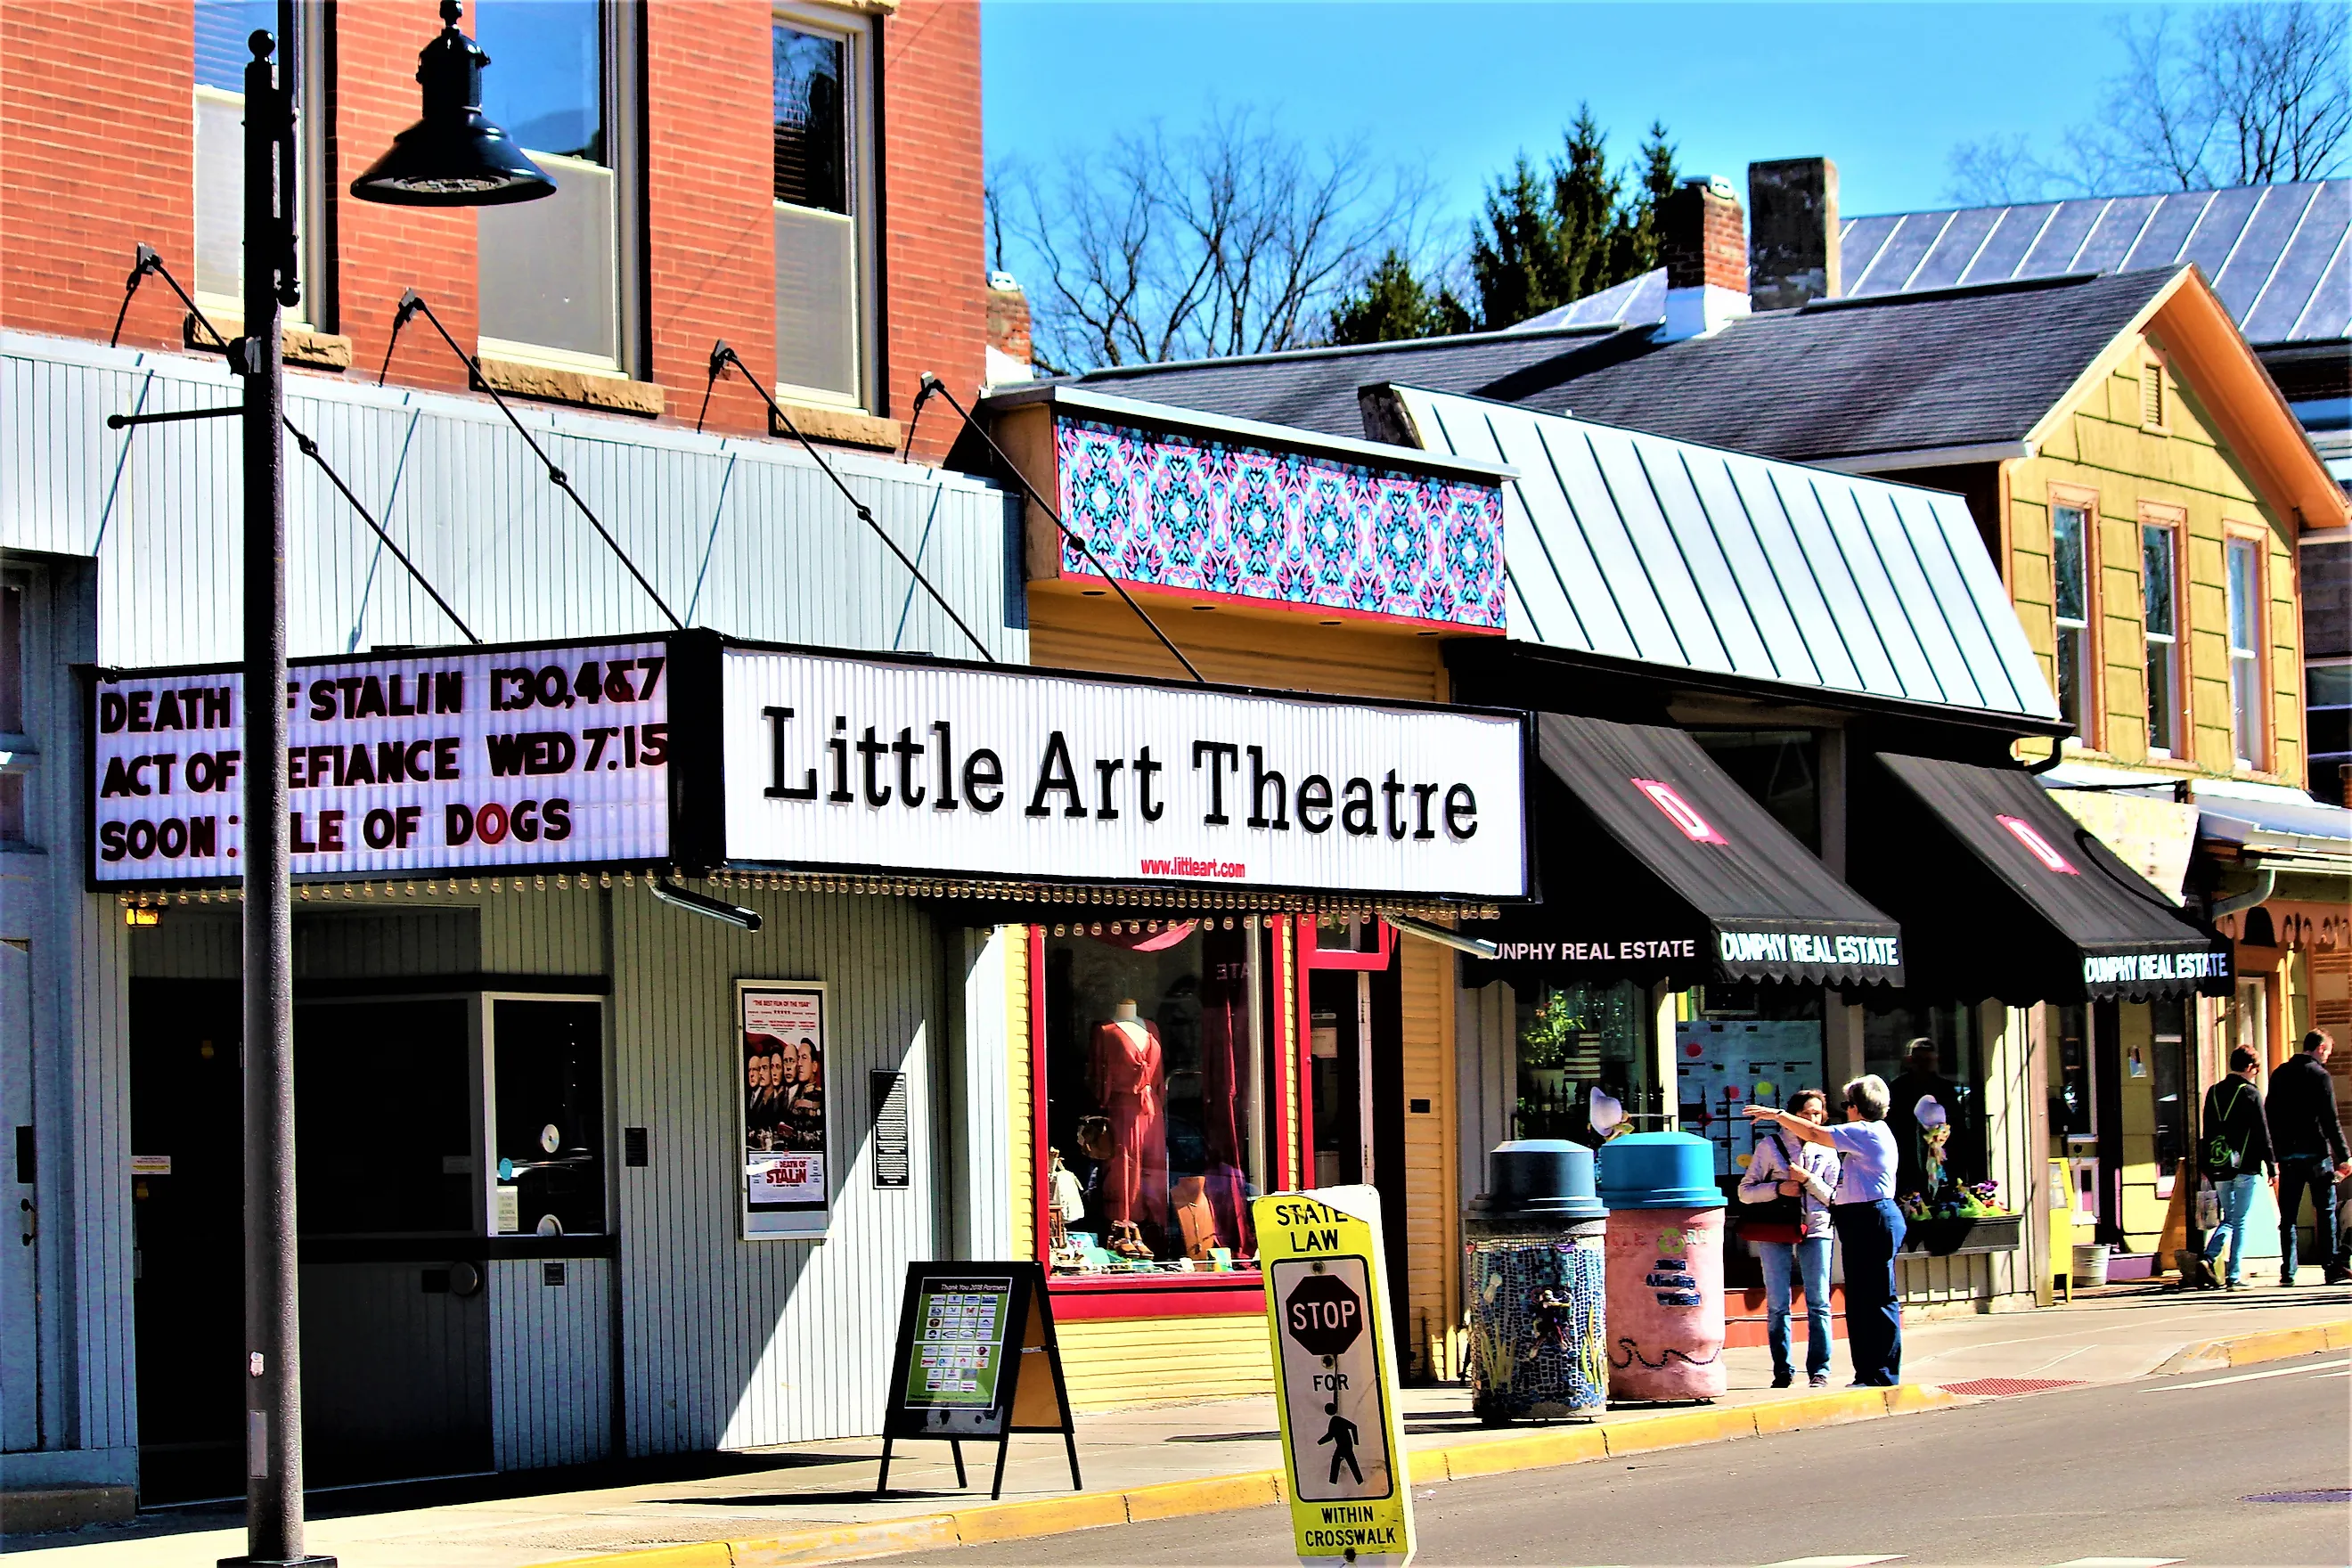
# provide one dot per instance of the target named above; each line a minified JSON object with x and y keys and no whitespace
{"x":1539,"y":1180}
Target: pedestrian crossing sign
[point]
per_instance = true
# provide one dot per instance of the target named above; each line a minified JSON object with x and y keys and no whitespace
{"x":1342,"y":1434}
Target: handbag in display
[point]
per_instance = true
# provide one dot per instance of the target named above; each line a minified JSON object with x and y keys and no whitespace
{"x":1780,"y":1218}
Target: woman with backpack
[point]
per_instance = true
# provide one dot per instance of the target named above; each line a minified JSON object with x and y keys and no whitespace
{"x":1792,"y":1232}
{"x":2234,"y":1155}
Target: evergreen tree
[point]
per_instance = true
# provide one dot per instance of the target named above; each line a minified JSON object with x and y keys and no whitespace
{"x":1515,"y":262}
{"x":1584,"y":211}
{"x":1393,"y":304}
{"x":1635,"y":250}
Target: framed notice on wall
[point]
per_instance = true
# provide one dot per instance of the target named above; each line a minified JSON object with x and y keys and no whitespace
{"x":780,"y":1056}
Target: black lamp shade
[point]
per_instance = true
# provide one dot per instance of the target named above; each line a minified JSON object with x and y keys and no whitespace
{"x":453,"y":157}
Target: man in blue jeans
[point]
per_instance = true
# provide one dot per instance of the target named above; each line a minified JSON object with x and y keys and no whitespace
{"x":2234,"y":1153}
{"x":2308,"y":1140}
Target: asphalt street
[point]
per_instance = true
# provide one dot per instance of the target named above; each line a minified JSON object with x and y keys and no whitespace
{"x":2132,"y":1475}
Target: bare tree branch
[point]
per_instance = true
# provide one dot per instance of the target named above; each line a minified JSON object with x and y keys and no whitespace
{"x":2236,"y":94}
{"x":1234,"y":237}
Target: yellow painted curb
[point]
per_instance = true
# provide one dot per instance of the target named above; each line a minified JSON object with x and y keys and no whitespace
{"x":1045,"y":1515}
{"x":1679,"y":1431}
{"x":1214,"y":1494}
{"x":846,"y":1542}
{"x":2270,"y":1345}
{"x":1258,"y":1488}
{"x":2276,"y":1345}
{"x":1538,"y":1450}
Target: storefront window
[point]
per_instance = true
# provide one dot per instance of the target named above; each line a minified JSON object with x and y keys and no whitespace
{"x":549,"y":1130}
{"x":1780,"y":768}
{"x":2070,"y":1086}
{"x":1576,"y":1039}
{"x":2175,"y":1115}
{"x":384,"y":1119}
{"x":1737,"y":1045}
{"x":1155,"y":1122}
{"x":1948,"y":1071}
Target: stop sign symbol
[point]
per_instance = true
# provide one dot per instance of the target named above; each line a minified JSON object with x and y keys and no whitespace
{"x":1323,"y":1314}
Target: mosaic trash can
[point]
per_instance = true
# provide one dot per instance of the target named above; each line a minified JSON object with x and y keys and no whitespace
{"x":1533,"y":1276}
{"x":1666,"y":1267}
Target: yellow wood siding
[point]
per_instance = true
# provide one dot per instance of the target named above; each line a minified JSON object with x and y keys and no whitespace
{"x":2101,"y":446}
{"x":1071,"y":632}
{"x":1113,"y":1363}
{"x":1021,"y":1140}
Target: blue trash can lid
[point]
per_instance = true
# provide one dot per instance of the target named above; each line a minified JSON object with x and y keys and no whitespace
{"x":1659,"y":1171}
{"x":1538,"y":1179}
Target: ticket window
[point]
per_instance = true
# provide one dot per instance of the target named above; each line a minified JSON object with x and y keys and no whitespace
{"x":546,"y":1116}
{"x":384,"y":1117}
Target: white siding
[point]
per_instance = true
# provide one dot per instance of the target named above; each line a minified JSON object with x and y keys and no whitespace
{"x":550,"y":1363}
{"x":729,"y":1343}
{"x":747,"y":537}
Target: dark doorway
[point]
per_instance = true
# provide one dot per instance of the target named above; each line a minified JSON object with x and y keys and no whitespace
{"x":395,"y":1361}
{"x":187,"y":1116}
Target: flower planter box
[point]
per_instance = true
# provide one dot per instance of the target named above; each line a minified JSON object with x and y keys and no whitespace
{"x":1953,"y":1238}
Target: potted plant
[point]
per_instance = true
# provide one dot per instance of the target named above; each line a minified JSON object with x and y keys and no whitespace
{"x":1545,"y":1045}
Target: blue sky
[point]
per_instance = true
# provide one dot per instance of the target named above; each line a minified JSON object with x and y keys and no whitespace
{"x":1884,"y":89}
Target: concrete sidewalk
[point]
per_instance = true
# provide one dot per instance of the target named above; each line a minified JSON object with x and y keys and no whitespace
{"x":813,"y":1502}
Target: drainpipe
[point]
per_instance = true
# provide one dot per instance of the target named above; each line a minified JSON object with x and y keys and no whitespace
{"x":2266,"y":880}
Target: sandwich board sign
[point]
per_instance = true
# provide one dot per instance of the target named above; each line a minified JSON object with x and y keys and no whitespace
{"x":1342,"y":1433}
{"x":976,"y":1358}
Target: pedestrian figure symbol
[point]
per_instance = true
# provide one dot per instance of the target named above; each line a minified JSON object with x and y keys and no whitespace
{"x":1341,"y":1436}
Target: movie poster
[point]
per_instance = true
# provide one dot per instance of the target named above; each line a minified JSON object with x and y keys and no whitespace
{"x":780,"y":1075}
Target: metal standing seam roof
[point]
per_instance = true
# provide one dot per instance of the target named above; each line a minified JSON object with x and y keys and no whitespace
{"x":1643,"y":547}
{"x":2280,"y":256}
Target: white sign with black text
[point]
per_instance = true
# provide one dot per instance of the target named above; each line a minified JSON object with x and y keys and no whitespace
{"x":956,"y":771}
{"x":397,"y":765}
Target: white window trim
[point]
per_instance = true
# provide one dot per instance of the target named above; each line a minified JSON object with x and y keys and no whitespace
{"x":857,"y":30}
{"x":314,"y":256}
{"x":2176,"y":718}
{"x":2255,"y":654}
{"x":2085,"y":684}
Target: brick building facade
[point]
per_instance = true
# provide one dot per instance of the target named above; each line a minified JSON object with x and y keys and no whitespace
{"x":99,"y":154}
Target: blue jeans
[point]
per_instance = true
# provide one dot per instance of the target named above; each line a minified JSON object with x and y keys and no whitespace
{"x":1873,"y":1234}
{"x":1809,"y":1258}
{"x":2237,"y":1195}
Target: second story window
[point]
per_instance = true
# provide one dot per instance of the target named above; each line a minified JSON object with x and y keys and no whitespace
{"x":551,"y":271}
{"x":2070,"y":529}
{"x":820,"y":112}
{"x":222,"y":27}
{"x":2159,"y":591}
{"x":2247,"y":729}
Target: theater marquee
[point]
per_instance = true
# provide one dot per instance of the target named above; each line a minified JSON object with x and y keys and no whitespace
{"x":439,"y":761}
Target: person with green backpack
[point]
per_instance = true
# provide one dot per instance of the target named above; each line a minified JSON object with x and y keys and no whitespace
{"x":2234,"y":1156}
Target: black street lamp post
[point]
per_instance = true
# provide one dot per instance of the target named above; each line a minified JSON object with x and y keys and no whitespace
{"x":453,"y":157}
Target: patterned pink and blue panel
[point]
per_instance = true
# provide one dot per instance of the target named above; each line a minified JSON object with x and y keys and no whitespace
{"x":1209,"y":517}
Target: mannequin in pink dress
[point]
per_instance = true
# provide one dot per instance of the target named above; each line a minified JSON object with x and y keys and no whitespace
{"x":1129,"y":1080}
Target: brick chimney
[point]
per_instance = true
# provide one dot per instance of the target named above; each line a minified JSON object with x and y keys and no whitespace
{"x":1705,"y":248}
{"x":1793,"y":249}
{"x":1011,"y":355}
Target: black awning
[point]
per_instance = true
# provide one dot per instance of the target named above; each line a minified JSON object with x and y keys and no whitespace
{"x":1654,"y":864}
{"x":2003,"y":894}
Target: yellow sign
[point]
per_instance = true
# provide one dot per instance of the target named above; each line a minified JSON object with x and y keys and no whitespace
{"x":1342,"y":1434}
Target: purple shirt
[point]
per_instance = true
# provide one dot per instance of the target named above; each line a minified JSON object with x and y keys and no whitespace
{"x":1865,"y":1160}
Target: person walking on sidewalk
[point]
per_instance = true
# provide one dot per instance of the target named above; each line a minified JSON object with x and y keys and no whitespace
{"x":2234,"y":1155}
{"x":1867,"y":1222}
{"x":2307,"y":1141}
{"x":1794,"y":1242}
